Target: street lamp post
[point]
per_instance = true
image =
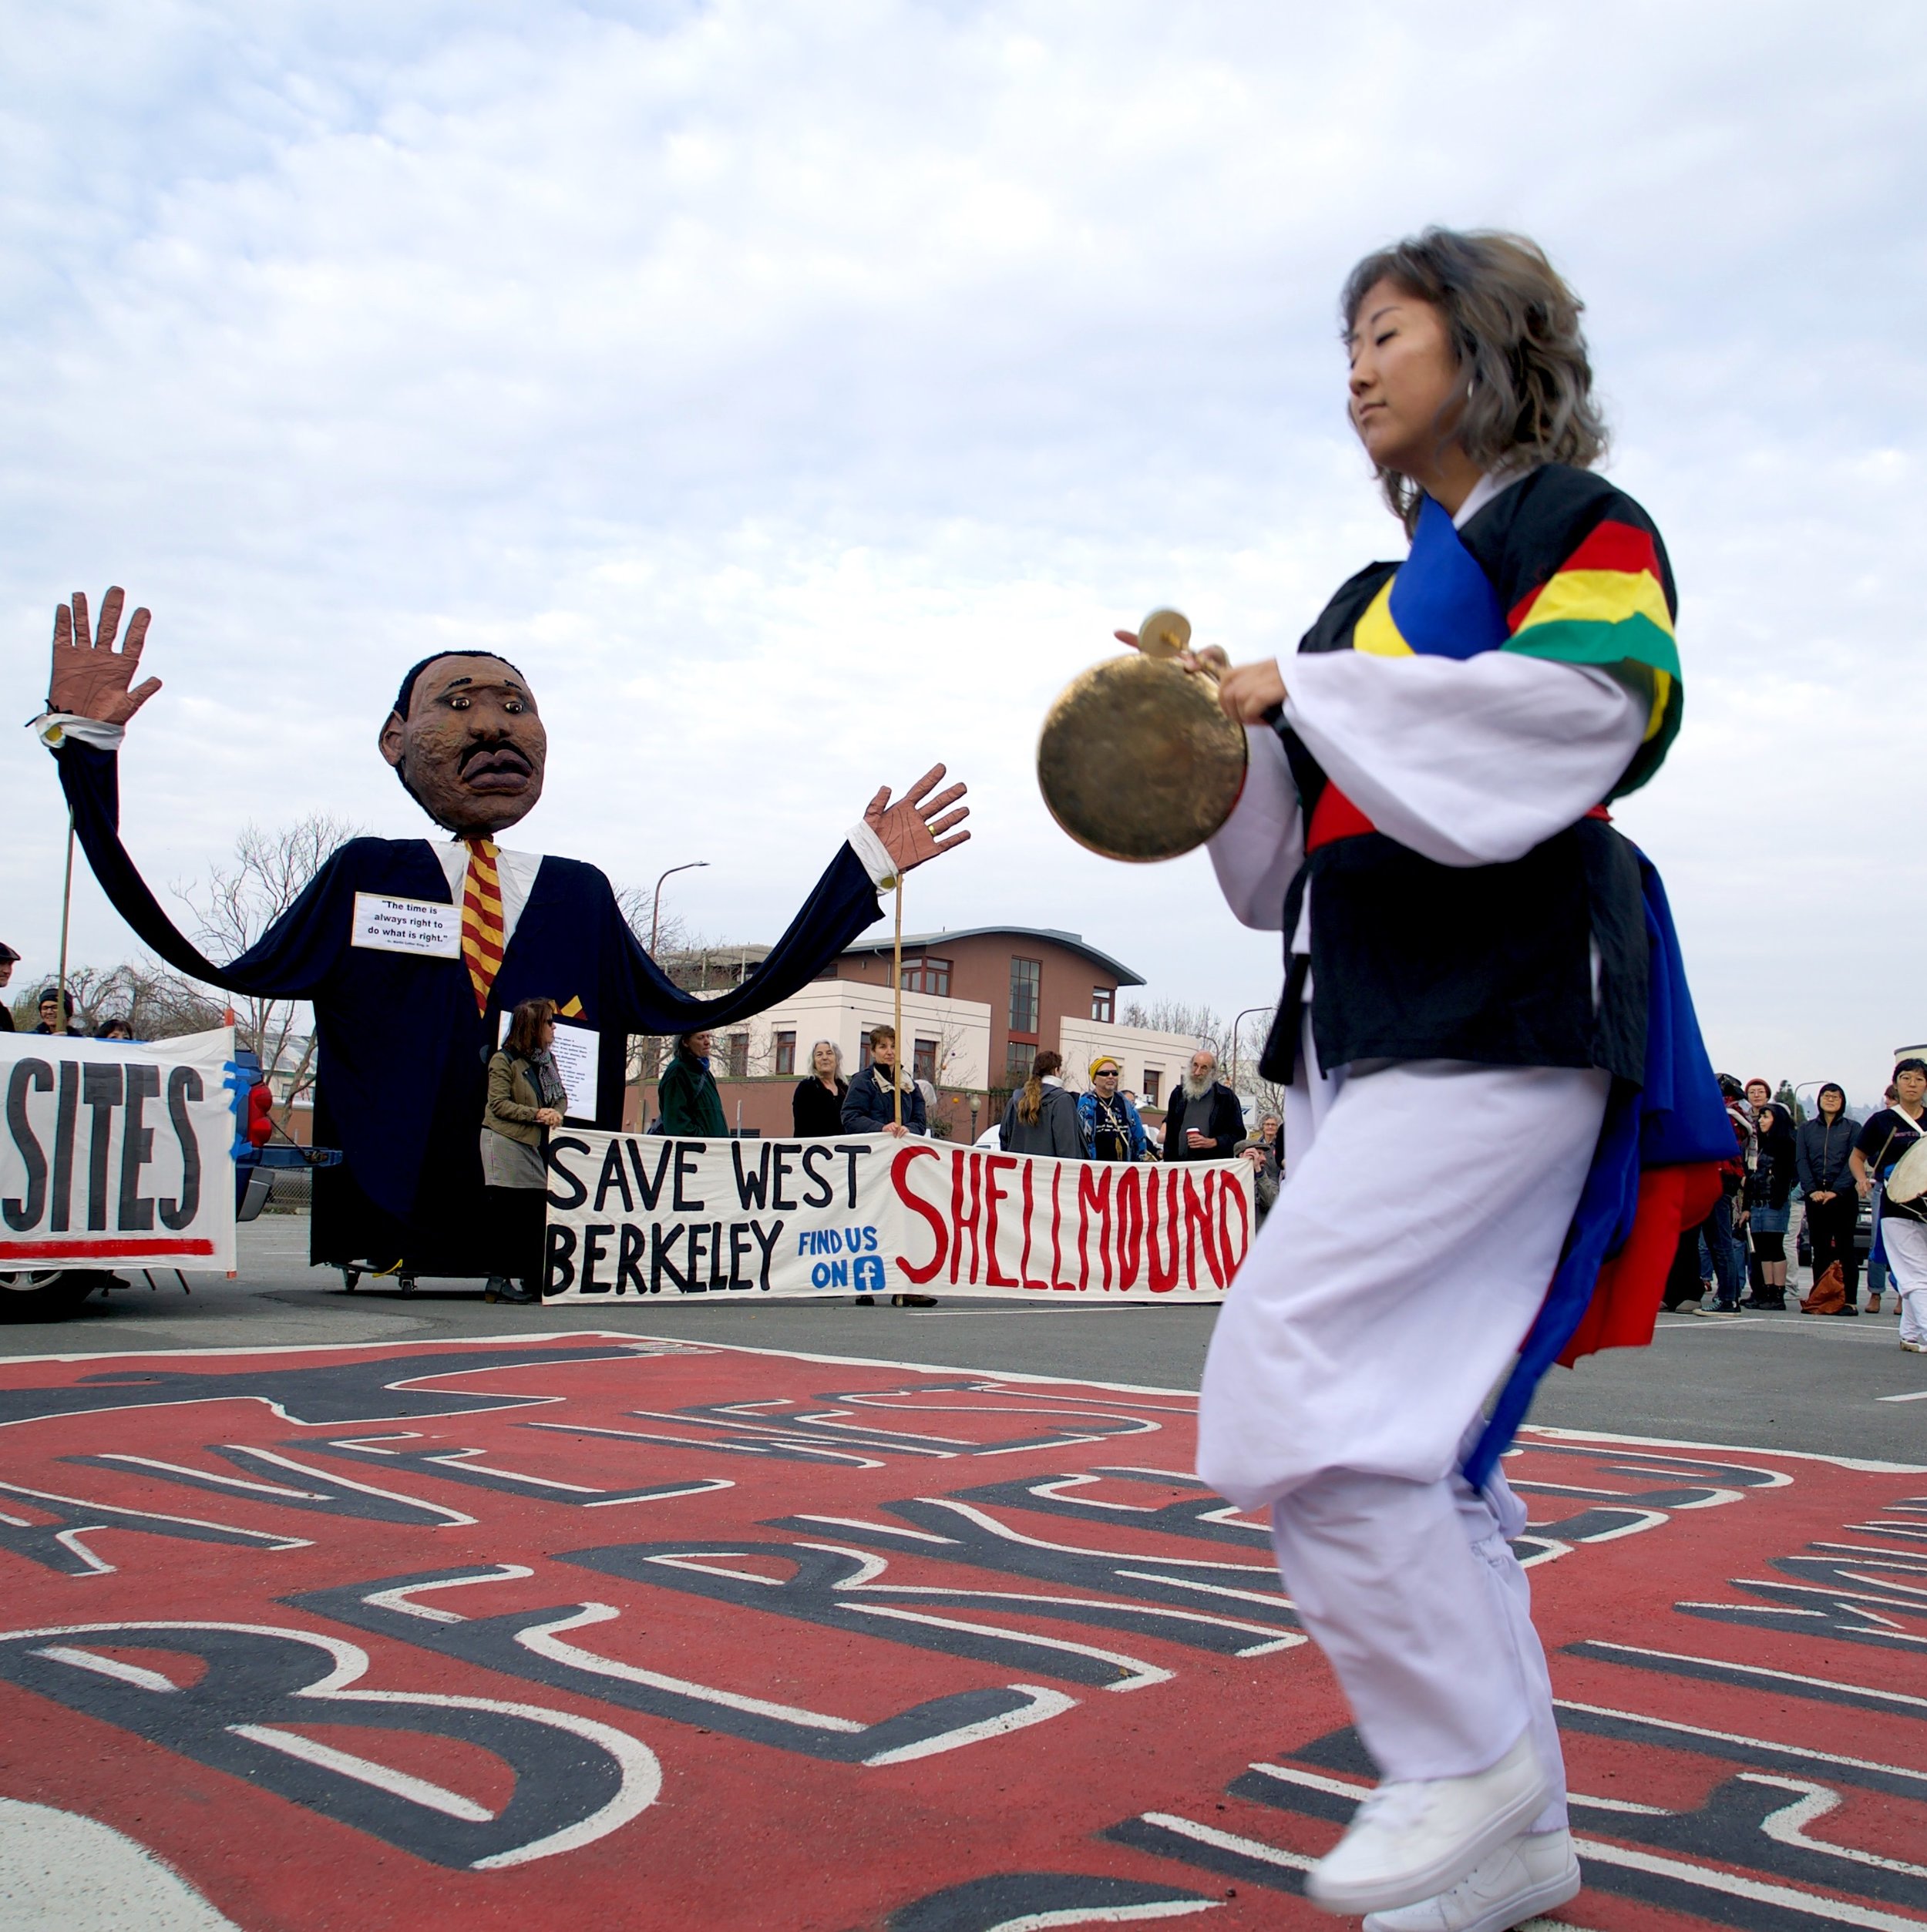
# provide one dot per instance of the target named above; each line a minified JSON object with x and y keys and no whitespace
{"x":1235,"y":1025}
{"x":655,"y":901}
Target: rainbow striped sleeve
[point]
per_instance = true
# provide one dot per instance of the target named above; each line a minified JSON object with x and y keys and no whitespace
{"x":1606,"y":605}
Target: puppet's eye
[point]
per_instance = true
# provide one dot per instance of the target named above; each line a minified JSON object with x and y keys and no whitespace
{"x":512,"y":704}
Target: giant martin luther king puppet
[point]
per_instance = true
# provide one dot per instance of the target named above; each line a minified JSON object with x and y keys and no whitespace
{"x":404,"y":1034}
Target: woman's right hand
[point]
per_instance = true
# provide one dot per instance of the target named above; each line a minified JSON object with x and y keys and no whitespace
{"x":1247,"y":693}
{"x":1865,"y":1188}
{"x":548,"y":1117}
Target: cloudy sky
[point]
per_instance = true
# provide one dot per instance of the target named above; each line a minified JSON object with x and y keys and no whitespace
{"x":801,"y":393}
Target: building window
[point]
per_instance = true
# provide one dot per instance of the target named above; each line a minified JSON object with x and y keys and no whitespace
{"x":927,"y":975}
{"x":736,"y":1055}
{"x":785,"y":1053}
{"x":1103,"y":1000}
{"x":1152,"y":1077}
{"x":1025,"y":977}
{"x":864,"y":1056}
{"x":924,"y":1062}
{"x":1019,"y":1057}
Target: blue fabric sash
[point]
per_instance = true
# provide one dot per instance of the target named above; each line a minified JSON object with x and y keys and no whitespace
{"x":1675,"y":1118}
{"x":1441,"y":601}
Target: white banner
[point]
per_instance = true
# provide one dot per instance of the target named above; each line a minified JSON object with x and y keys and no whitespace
{"x":645,"y":1215}
{"x":112,"y":1152}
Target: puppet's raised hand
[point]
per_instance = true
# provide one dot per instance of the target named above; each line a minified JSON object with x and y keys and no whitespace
{"x":90,"y":678}
{"x":912,"y":829}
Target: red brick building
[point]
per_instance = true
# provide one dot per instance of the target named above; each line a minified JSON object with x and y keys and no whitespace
{"x":1030,"y":978}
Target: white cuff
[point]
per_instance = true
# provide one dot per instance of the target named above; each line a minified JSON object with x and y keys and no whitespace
{"x":874,"y":854}
{"x":53,"y":728}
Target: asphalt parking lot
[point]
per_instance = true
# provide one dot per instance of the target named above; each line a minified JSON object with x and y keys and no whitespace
{"x":1816,"y":1385}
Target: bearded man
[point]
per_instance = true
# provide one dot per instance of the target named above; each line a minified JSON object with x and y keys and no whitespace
{"x":411,"y":950}
{"x":1204,"y":1121}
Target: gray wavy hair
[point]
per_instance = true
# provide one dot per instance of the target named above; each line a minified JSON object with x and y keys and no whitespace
{"x":1515,"y":324}
{"x":836,"y":1049}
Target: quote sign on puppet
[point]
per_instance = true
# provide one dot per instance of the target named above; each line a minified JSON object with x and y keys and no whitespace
{"x":646,"y":1214}
{"x":112,"y":1151}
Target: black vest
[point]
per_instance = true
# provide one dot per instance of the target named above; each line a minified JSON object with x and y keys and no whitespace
{"x":1414,"y":960}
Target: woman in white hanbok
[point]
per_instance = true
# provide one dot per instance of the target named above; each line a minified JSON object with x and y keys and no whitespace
{"x":1467,"y":984}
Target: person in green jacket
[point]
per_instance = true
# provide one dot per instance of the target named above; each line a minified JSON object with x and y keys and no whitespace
{"x":686,"y":1092}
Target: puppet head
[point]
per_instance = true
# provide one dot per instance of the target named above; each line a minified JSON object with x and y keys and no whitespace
{"x":465,"y":739}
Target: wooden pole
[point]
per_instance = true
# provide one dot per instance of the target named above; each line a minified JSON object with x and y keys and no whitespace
{"x":66,"y":906}
{"x":897,"y":974}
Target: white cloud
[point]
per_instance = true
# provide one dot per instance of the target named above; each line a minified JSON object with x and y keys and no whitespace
{"x":800,"y":393}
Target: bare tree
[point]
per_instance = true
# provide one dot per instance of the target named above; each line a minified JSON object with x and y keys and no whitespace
{"x":1200,"y":1023}
{"x":239,"y":903}
{"x":156,"y":1003}
{"x":672,"y":930}
{"x":677,"y":950}
{"x":1248,"y":1082}
{"x":950,"y":1036}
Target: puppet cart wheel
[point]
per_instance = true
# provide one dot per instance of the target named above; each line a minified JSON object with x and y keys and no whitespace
{"x":45,"y":1294}
{"x":349,"y":1276}
{"x":406,"y":1283}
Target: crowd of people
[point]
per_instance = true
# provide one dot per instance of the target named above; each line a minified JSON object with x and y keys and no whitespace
{"x":1733,"y":1263}
{"x":49,"y":1007}
{"x":1736,"y":1260}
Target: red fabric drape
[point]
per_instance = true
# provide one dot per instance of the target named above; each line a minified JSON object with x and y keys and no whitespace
{"x":1626,"y":1304}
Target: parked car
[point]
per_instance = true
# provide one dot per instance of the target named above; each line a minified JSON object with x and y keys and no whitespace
{"x":48,"y":1294}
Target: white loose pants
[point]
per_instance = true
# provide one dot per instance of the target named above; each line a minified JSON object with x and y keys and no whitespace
{"x":1412,"y":1591}
{"x":1905,"y":1242}
{"x":1421,"y":1218}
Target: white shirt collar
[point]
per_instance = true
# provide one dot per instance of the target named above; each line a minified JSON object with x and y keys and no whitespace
{"x":1494,"y":483}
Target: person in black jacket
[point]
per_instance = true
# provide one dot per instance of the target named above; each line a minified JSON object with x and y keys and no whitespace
{"x":1823,"y":1149}
{"x":816,"y":1107}
{"x":51,"y":1001}
{"x":869,"y":1106}
{"x":1205,"y":1122}
{"x":9,"y":960}
{"x":1769,"y":1185}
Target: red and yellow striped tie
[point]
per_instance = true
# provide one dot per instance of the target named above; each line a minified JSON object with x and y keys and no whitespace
{"x":482,"y":919}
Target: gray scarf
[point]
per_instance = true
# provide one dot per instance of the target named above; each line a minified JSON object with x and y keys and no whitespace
{"x":549,"y":1090}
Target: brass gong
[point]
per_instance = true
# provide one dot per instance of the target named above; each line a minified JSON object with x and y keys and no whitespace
{"x":1135,"y":761}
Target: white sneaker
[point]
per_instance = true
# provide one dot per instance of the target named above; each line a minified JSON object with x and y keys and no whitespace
{"x":1525,"y":1876}
{"x":1411,"y":1841}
